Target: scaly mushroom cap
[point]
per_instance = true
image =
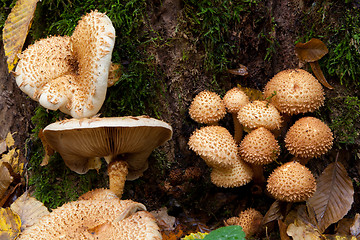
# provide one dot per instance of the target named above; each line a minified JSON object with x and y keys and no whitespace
{"x":260,"y":114}
{"x":207,"y":107}
{"x":309,"y":137}
{"x":291,"y":182}
{"x":215,"y":145}
{"x":96,"y":219}
{"x":237,"y":175}
{"x":259,"y":147}
{"x":133,"y":138}
{"x":249,"y":219}
{"x":98,"y":194}
{"x":297,"y":91}
{"x":235,"y":99}
{"x":70,"y":74}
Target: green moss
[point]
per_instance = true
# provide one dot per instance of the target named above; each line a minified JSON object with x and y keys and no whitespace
{"x":338,"y":25}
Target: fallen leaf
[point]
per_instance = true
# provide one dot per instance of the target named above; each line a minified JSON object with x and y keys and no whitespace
{"x":333,"y":197}
{"x":48,"y":149}
{"x":2,"y":146}
{"x":252,"y":93}
{"x":12,"y":158}
{"x":9,"y":224}
{"x":163,"y":219}
{"x":355,"y":227}
{"x":114,"y":74}
{"x":343,"y":226}
{"x":274,"y":213}
{"x":5,"y":179}
{"x":29,"y":210}
{"x":16,"y":28}
{"x":242,"y":71}
{"x":300,"y":231}
{"x":311,"y":51}
{"x":194,"y":236}
{"x":282,"y":229}
{"x":9,"y":140}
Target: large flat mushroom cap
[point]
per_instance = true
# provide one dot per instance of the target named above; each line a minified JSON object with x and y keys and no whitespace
{"x":133,"y":138}
{"x":108,"y":219}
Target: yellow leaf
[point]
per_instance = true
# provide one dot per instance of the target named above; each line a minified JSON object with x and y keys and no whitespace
{"x":9,"y":140}
{"x":16,"y":28}
{"x":5,"y":179}
{"x":12,"y":157}
{"x":29,"y":210}
{"x":9,"y":224}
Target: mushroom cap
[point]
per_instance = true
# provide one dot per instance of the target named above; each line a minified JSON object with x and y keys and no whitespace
{"x":259,"y":147}
{"x":215,"y":145}
{"x":96,"y":219}
{"x":291,"y":182}
{"x":297,"y":91}
{"x":260,"y":114}
{"x":309,"y":137}
{"x":235,"y":99}
{"x":237,"y":175}
{"x":311,"y":51}
{"x":70,"y":73}
{"x":98,"y":194}
{"x":131,"y":138}
{"x":207,"y":107}
{"x":249,"y":219}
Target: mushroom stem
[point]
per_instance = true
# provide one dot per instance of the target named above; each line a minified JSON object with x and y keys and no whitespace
{"x":117,"y":171}
{"x":315,"y":67}
{"x":258,"y":177}
{"x":238,"y":128}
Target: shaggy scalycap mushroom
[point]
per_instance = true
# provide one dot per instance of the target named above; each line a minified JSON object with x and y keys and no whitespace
{"x":215,"y":145}
{"x":260,"y":114}
{"x":70,"y":73}
{"x":96,"y":218}
{"x":207,"y":107}
{"x":124,"y":142}
{"x":234,"y":100}
{"x":309,"y":137}
{"x":249,"y":219}
{"x":295,"y":91}
{"x":291,"y":182}
{"x":259,"y":147}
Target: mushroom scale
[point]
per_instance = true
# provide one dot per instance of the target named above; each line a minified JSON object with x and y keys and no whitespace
{"x":70,"y":73}
{"x":125,"y":139}
{"x":309,"y":137}
{"x":96,"y":218}
{"x":295,"y":91}
{"x":249,"y":219}
{"x":291,"y":182}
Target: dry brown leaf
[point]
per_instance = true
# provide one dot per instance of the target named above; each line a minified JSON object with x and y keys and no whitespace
{"x":29,"y":210}
{"x":333,"y":197}
{"x":311,"y":51}
{"x":114,"y":74}
{"x":5,"y":179}
{"x":2,"y":146}
{"x":163,"y":219}
{"x":355,"y":227}
{"x":16,"y":28}
{"x":300,"y":231}
{"x":343,"y":226}
{"x":282,"y":229}
{"x":274,"y":213}
{"x":9,"y":224}
{"x":48,"y":150}
{"x":242,"y":71}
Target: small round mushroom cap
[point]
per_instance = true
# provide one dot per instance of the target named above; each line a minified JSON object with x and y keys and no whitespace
{"x":249,"y":219}
{"x":259,"y":147}
{"x":235,"y":176}
{"x":309,"y":137}
{"x":295,"y":91}
{"x":207,"y":107}
{"x":260,"y":114}
{"x":291,"y":182}
{"x":235,"y":99}
{"x":95,"y":219}
{"x":215,"y":145}
{"x":70,"y":73}
{"x":131,"y":138}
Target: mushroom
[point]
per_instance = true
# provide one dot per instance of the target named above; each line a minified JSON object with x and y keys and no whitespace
{"x":234,"y":100}
{"x":218,"y":149}
{"x":96,"y":217}
{"x":311,"y":52}
{"x":309,"y":137}
{"x":294,"y":91}
{"x":260,"y":114}
{"x":124,"y":142}
{"x":70,"y":73}
{"x":249,"y":219}
{"x":259,"y":147}
{"x":207,"y":107}
{"x":291,"y":182}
